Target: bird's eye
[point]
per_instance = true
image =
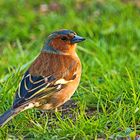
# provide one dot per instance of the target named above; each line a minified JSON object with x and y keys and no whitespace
{"x":64,"y":38}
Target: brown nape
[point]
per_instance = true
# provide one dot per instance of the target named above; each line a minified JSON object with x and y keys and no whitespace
{"x":64,"y":46}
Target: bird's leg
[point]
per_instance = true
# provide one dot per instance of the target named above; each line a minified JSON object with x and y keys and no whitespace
{"x":56,"y":110}
{"x":60,"y":109}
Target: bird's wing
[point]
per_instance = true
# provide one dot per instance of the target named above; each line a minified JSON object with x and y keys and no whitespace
{"x":32,"y":87}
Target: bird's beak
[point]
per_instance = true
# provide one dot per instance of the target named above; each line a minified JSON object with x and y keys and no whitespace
{"x":77,"y":39}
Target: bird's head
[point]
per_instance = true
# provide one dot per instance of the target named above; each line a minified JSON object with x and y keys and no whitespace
{"x":62,"y":41}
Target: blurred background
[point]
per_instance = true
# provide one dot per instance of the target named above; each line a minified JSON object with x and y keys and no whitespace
{"x":109,"y":90}
{"x":26,"y":24}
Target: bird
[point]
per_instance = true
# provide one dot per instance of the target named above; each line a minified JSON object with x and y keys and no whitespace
{"x":52,"y":78}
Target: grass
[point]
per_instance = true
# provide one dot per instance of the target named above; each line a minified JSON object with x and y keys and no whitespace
{"x":108,"y":98}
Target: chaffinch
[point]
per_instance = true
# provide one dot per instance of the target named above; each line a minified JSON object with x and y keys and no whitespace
{"x":51,"y":79}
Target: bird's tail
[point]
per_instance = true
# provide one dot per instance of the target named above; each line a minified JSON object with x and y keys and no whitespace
{"x":7,"y":116}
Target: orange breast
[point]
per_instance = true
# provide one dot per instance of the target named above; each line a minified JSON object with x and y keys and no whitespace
{"x":59,"y":98}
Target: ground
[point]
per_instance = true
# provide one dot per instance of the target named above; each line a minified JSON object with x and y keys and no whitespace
{"x":107,"y":102}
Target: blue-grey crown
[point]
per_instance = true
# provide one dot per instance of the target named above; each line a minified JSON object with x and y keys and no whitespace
{"x":63,"y":32}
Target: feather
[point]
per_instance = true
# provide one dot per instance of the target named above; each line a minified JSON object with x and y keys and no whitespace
{"x":30,"y":86}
